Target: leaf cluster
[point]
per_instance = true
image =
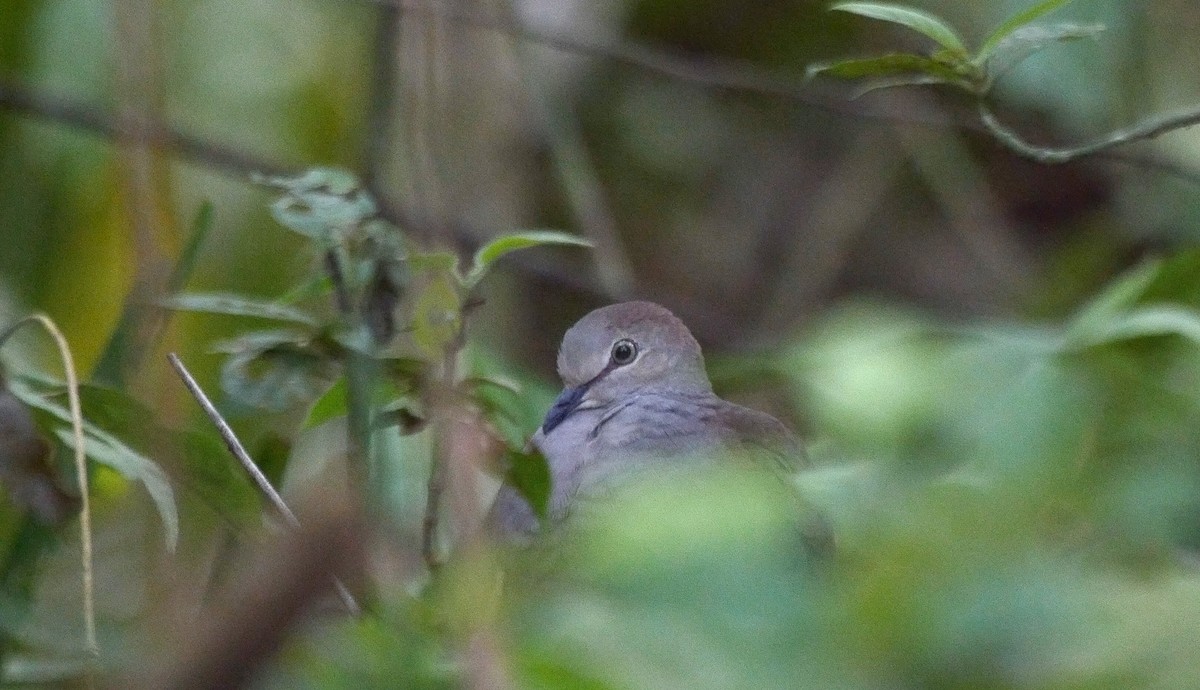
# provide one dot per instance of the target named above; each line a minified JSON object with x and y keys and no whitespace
{"x":950,"y":62}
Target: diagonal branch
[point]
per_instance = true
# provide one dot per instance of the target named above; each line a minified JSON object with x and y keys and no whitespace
{"x":260,"y":480}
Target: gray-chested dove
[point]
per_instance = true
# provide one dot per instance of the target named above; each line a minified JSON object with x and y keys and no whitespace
{"x":636,"y":399}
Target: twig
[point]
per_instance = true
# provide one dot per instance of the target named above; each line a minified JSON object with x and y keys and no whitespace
{"x":1149,"y":128}
{"x":85,"y":510}
{"x":92,"y":119}
{"x":443,"y":398}
{"x":714,"y":74}
{"x":358,"y":397}
{"x":260,"y":480}
{"x":434,"y":489}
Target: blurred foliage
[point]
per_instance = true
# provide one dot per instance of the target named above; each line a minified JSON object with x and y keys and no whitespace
{"x":996,"y":365}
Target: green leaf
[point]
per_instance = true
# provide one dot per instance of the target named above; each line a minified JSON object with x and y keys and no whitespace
{"x":320,"y":204}
{"x":1015,"y":22}
{"x":1121,"y":295}
{"x":917,"y":20}
{"x":276,"y":369}
{"x":489,"y":253}
{"x":331,"y":405}
{"x":237,"y":305}
{"x":202,"y":225}
{"x":128,"y":343}
{"x":1142,"y":323}
{"x":107,"y":450}
{"x":886,"y":66}
{"x":1029,"y":40}
{"x":529,"y":474}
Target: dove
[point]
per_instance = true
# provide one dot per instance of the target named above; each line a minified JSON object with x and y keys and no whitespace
{"x":636,"y":400}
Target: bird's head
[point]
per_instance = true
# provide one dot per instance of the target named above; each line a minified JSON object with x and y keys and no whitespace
{"x":618,"y":350}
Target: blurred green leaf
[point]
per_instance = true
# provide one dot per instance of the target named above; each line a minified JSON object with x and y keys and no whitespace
{"x":1116,"y":298}
{"x":206,"y":467}
{"x":107,"y":450}
{"x":1026,"y":41}
{"x":491,"y":252}
{"x":202,"y":225}
{"x":917,"y":20}
{"x":125,"y":347}
{"x":237,"y":305}
{"x":921,"y":69}
{"x":331,"y":405}
{"x":276,"y":369}
{"x":321,"y":204}
{"x":1014,"y":23}
{"x":1177,"y":280}
{"x":1144,"y":322}
{"x":529,"y":474}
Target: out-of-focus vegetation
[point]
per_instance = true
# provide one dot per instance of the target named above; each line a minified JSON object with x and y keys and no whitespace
{"x":995,"y":363}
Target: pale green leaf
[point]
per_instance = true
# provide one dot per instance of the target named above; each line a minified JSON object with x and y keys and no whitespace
{"x":276,"y":369}
{"x":107,"y":450}
{"x":331,"y":405}
{"x":237,"y":305}
{"x":321,"y":203}
{"x":1142,"y":323}
{"x":1024,"y":42}
{"x":489,"y":253}
{"x":917,"y":20}
{"x":1016,"y":22}
{"x":1117,"y":298}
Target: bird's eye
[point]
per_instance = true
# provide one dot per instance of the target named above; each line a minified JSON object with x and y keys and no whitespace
{"x":623,"y":352}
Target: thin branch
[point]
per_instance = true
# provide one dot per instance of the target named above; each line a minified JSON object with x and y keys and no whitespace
{"x":260,"y":480}
{"x":92,"y":119}
{"x":434,"y":489}
{"x":1149,"y":128}
{"x":444,"y":397}
{"x":715,"y":74}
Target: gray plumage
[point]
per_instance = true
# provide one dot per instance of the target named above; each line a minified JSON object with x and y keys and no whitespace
{"x":618,"y":418}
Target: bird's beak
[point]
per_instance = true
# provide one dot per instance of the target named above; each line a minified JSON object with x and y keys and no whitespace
{"x":566,"y":403}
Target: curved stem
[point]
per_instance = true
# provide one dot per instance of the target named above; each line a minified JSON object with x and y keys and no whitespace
{"x":85,"y":510}
{"x":1146,"y":129}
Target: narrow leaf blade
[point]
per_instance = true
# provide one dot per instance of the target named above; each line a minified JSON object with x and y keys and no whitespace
{"x":1118,"y":297}
{"x":1147,"y":322}
{"x":921,"y":22}
{"x":237,"y":305}
{"x":133,"y":466}
{"x":1026,"y":41}
{"x":891,"y":65}
{"x":489,"y":253}
{"x":1014,"y":23}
